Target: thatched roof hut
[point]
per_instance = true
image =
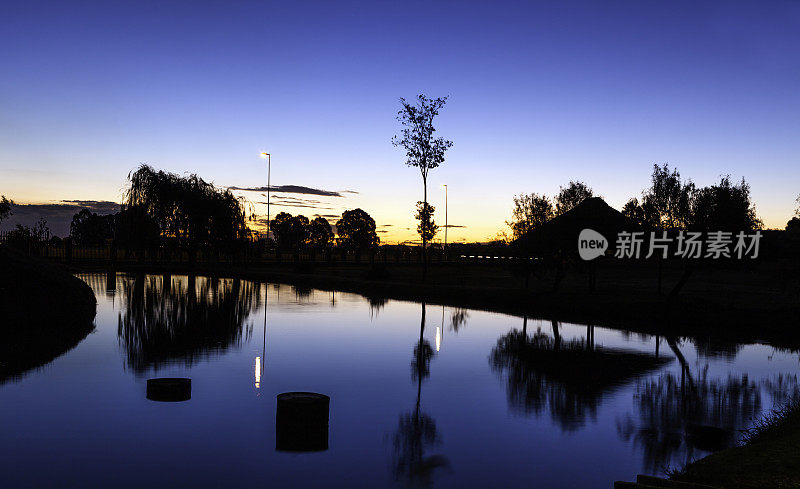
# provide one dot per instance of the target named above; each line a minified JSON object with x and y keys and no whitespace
{"x":561,"y":233}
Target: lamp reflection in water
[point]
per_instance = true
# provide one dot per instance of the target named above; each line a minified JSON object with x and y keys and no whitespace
{"x":438,"y":338}
{"x":259,"y":367}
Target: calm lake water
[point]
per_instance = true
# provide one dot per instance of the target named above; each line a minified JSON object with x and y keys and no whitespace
{"x":474,"y":403}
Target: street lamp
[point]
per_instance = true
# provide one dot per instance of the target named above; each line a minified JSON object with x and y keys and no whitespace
{"x":269,"y":170}
{"x":445,"y":215}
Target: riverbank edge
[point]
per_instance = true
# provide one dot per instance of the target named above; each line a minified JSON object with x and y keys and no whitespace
{"x":46,"y":311}
{"x":767,"y":458}
{"x":696,"y":316}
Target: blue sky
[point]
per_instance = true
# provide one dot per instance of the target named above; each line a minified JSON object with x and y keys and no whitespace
{"x":540,"y":93}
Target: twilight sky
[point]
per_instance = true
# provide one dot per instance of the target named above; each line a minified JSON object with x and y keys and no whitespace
{"x":540,"y":93}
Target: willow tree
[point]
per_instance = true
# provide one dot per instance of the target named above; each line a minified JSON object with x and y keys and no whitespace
{"x":423,"y":150}
{"x":5,"y":207}
{"x":186,"y":208}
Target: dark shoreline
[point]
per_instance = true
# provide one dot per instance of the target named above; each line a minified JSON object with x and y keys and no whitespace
{"x":45,"y":311}
{"x":727,"y":320}
{"x":766,"y":456}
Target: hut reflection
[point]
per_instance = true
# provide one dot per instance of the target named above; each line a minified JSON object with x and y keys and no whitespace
{"x":568,"y":379}
{"x":184,"y":322}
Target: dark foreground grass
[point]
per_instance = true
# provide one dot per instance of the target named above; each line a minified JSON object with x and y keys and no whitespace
{"x":769,"y":456}
{"x":44,"y":312}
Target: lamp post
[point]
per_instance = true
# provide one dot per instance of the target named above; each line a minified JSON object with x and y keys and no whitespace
{"x":269,"y":170}
{"x":445,"y":215}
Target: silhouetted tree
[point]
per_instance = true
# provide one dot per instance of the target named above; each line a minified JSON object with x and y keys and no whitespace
{"x":291,"y":232}
{"x":667,"y":204}
{"x":793,"y":226}
{"x":570,"y":196}
{"x":280,"y":227}
{"x":530,"y":212}
{"x":426,"y":228}
{"x":637,"y":214}
{"x":5,"y":207}
{"x":724,"y":207}
{"x":137,"y":229}
{"x":187,"y":208}
{"x":320,"y":234}
{"x":89,"y":228}
{"x":422,"y":149}
{"x":25,"y":238}
{"x":356,"y":231}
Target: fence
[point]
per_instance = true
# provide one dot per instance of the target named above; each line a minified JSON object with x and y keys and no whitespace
{"x":253,"y":252}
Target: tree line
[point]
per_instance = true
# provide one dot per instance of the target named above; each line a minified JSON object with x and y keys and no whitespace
{"x":162,"y":208}
{"x":355,"y":231}
{"x":669,"y":203}
{"x":532,"y":210}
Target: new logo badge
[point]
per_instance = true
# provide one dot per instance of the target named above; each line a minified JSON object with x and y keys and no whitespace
{"x":591,"y":244}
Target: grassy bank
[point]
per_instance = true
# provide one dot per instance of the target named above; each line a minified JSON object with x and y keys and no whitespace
{"x":44,"y":312}
{"x":756,"y":304}
{"x":769,"y":457}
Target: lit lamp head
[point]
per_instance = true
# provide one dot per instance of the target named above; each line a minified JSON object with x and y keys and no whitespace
{"x":264,"y":155}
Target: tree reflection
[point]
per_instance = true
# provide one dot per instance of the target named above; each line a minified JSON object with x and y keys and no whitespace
{"x":416,"y":431}
{"x":165,"y":322}
{"x":681,"y":414}
{"x":376,"y":303}
{"x":568,"y":379}
{"x":782,"y":387}
{"x":458,"y":320}
{"x":715,"y":348}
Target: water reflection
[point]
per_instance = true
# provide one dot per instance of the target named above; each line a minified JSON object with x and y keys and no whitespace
{"x":458,"y":319}
{"x":677,"y":415}
{"x":416,"y":432}
{"x":376,"y":304}
{"x":714,"y":348}
{"x":436,"y":404}
{"x":566,"y":378}
{"x":166,"y":322}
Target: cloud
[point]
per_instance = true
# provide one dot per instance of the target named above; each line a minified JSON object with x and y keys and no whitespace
{"x":453,"y":226}
{"x":58,"y":215}
{"x":296,"y":189}
{"x":282,"y":199}
{"x":96,"y":206}
{"x":302,"y":205}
